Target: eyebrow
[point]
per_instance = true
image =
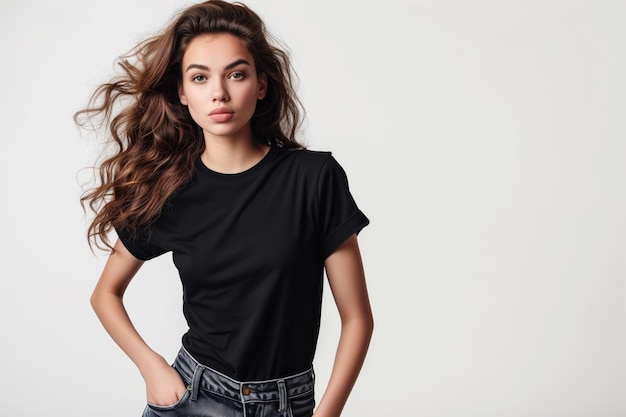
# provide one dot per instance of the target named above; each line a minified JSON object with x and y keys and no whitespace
{"x":227,"y":67}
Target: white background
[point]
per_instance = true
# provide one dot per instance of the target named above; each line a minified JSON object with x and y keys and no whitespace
{"x":485,"y":140}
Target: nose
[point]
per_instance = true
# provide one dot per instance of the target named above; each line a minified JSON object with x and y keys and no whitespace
{"x":219,"y":92}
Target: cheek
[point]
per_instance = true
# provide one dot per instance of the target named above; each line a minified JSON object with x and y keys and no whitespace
{"x":251,"y":97}
{"x":194,"y":97}
{"x":195,"y":106}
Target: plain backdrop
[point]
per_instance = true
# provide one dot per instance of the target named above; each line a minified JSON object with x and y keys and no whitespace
{"x":485,"y":140}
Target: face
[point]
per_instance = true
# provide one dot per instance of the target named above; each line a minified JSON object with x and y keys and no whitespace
{"x":220,"y":85}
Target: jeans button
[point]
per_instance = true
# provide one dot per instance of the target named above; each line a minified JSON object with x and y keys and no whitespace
{"x":245,"y":391}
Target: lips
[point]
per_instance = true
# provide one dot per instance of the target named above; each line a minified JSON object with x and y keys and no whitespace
{"x":221,"y":114}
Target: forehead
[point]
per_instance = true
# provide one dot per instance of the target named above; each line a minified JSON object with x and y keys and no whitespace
{"x":216,"y":50}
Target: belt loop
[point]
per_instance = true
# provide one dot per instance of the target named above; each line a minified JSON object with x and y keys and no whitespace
{"x":195,"y":382}
{"x":282,"y":396}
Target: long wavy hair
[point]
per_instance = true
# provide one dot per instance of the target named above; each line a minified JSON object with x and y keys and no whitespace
{"x":156,"y":142}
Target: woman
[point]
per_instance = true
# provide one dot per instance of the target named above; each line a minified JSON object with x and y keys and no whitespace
{"x":207,"y":168}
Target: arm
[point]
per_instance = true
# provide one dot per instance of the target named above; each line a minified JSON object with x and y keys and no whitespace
{"x":163,"y":384}
{"x":344,"y":269}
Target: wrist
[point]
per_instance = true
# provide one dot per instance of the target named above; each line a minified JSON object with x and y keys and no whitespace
{"x":149,"y":362}
{"x":323,"y":411}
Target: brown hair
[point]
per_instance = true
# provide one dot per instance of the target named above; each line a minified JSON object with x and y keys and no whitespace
{"x":157,"y":143}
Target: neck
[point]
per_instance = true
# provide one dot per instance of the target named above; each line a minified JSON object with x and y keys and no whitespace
{"x":231,"y":156}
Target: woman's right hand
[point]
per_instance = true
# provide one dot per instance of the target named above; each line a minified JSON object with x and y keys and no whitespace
{"x":164,"y":386}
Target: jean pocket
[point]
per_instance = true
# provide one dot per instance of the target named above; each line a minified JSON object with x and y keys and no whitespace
{"x":161,"y":410}
{"x":302,"y":405}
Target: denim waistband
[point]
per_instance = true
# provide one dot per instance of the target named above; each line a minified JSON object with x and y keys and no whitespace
{"x":280,"y":389}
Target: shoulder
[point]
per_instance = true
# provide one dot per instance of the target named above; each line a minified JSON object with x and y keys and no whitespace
{"x":308,"y":155}
{"x":306,"y":160}
{"x":319,"y":168}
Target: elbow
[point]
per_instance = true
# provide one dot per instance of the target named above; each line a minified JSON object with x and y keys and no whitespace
{"x":97,"y":300}
{"x":366,"y":323}
{"x":370,"y":325}
{"x":363,"y":323}
{"x":94,"y":301}
{"x":102,"y":299}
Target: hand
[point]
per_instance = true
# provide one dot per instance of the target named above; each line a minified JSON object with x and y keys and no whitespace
{"x":164,"y":386}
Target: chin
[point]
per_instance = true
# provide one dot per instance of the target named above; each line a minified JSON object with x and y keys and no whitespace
{"x":226,"y":131}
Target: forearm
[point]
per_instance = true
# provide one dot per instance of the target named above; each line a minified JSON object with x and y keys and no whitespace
{"x":351,"y":351}
{"x":110,"y":310}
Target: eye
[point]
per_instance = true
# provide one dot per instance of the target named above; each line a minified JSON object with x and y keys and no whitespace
{"x":198,"y":78}
{"x":237,"y":76}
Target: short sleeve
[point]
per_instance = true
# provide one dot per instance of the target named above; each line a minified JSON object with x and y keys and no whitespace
{"x":339,"y":216}
{"x":140,"y":245}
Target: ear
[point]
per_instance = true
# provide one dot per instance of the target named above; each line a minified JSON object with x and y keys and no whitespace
{"x":262,"y":86}
{"x":181,"y":95}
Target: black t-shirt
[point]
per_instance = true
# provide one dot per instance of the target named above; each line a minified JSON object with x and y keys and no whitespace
{"x":250,"y":249}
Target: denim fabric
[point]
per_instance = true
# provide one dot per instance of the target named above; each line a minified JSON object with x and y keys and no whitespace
{"x":211,"y":394}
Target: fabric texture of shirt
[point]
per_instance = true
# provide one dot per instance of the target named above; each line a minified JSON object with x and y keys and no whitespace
{"x":250,"y":250}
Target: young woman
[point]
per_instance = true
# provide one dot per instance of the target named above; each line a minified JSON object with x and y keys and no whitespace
{"x":206,"y":167}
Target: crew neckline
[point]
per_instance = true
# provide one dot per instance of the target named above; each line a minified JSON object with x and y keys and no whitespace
{"x":215,"y":174}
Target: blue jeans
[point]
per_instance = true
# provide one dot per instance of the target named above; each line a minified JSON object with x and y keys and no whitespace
{"x":211,"y":394}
